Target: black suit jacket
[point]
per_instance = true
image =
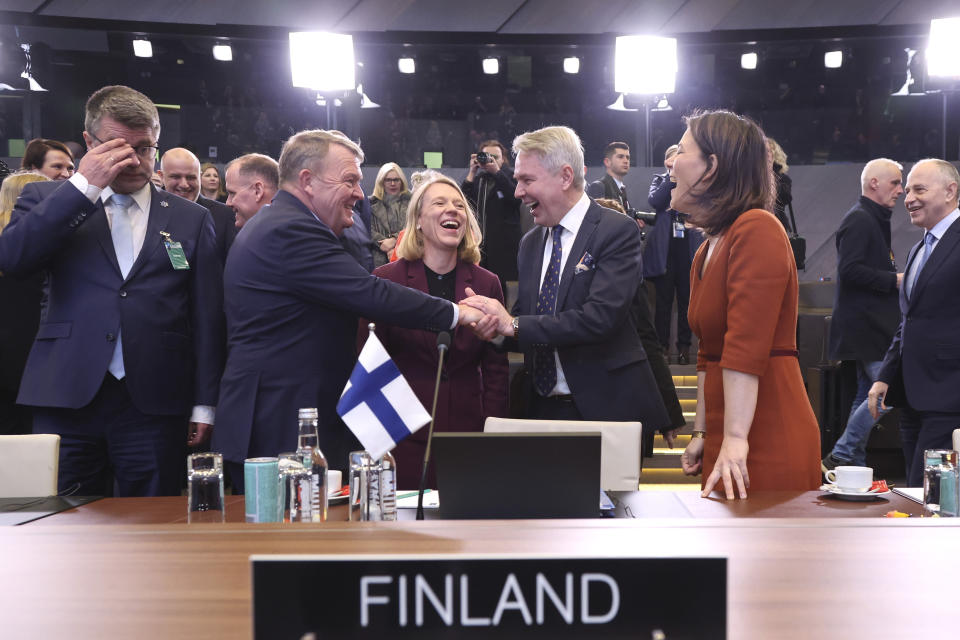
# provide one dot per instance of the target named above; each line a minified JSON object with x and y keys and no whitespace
{"x":607,"y":187}
{"x":293,"y":295}
{"x":865,"y":308}
{"x":922,"y":365}
{"x":601,"y":354}
{"x":223,"y":224}
{"x":170,"y":319}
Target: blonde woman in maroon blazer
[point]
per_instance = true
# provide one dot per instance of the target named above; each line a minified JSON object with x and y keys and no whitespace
{"x":438,"y":254}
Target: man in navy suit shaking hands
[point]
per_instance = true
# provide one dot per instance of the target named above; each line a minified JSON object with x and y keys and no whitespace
{"x":921,"y":370}
{"x":127,"y":359}
{"x":292,"y":297}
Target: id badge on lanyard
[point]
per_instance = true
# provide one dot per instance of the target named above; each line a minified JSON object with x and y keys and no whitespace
{"x":679,"y":231}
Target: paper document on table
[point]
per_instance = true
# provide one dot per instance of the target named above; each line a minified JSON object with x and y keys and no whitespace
{"x":408,"y":499}
{"x":20,"y":517}
{"x":911,"y":493}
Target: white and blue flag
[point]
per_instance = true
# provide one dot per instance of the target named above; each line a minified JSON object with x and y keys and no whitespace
{"x":377,"y":404}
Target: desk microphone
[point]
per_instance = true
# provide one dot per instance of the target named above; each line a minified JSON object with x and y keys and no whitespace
{"x":443,"y":345}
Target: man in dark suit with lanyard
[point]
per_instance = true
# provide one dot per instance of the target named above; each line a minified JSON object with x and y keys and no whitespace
{"x":579,"y":272}
{"x":293,"y":295}
{"x":616,"y":160}
{"x":126,"y":364}
{"x":921,"y":371}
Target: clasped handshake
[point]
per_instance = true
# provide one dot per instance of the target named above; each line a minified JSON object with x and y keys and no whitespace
{"x":487,"y":317}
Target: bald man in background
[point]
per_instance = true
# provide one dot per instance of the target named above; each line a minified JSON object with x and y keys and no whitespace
{"x":251,"y":182}
{"x":865,"y":309}
{"x":180,"y":173}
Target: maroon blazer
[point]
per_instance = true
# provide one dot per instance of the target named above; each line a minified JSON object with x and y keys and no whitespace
{"x":474,"y":381}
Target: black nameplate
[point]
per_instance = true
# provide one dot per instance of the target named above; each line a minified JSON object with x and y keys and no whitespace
{"x":491,"y":597}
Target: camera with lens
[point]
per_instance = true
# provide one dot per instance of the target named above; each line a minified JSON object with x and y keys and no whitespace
{"x":644,"y":216}
{"x":484,"y":158}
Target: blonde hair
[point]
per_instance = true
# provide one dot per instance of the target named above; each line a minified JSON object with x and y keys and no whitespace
{"x":411,"y":245}
{"x":556,"y":147}
{"x":12,"y":188}
{"x":778,"y":155}
{"x":307,"y":149}
{"x":417,"y":178}
{"x":610,"y":203}
{"x":382,"y":174}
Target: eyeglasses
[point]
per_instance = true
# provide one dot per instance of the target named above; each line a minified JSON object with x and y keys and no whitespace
{"x":392,"y":180}
{"x":143,"y":151}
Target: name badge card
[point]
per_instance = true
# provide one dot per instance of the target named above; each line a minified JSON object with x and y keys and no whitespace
{"x":175,"y":252}
{"x":497,"y":596}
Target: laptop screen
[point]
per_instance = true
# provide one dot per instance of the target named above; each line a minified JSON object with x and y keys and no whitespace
{"x":517,"y":475}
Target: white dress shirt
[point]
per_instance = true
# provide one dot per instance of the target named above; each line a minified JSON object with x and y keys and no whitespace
{"x":139,"y":213}
{"x":568,"y":226}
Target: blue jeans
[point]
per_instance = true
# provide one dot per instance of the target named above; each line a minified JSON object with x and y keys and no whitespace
{"x":852,"y":445}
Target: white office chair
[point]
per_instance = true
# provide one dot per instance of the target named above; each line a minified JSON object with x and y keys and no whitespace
{"x":620,"y":445}
{"x":29,"y":465}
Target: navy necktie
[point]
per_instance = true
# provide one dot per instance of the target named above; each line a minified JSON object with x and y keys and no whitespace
{"x":544,"y":366}
{"x":623,"y":198}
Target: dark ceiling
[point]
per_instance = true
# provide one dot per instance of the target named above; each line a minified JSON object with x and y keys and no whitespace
{"x":493,"y":16}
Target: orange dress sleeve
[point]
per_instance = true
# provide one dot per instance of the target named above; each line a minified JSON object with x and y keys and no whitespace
{"x":758,"y":270}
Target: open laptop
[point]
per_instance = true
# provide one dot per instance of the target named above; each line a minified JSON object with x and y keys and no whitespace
{"x":517,"y":475}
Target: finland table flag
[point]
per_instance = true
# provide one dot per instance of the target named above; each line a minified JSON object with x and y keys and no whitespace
{"x":377,"y":404}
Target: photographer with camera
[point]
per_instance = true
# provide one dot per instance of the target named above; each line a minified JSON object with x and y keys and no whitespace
{"x":667,"y":257}
{"x":490,"y":188}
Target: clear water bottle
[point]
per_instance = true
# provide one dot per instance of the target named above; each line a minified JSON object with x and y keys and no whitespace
{"x":308,"y":450}
{"x":388,"y":486}
{"x":365,"y":499}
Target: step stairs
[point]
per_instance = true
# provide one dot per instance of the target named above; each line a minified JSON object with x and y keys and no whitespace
{"x":663,"y":470}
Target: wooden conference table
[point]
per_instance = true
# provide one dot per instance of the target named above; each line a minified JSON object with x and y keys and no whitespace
{"x":800,"y":565}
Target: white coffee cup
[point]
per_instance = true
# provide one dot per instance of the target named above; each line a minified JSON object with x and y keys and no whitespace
{"x":334,"y":480}
{"x":851,"y":478}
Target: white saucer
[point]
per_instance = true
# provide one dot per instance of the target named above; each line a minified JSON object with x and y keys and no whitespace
{"x":337,"y":499}
{"x":862,"y":496}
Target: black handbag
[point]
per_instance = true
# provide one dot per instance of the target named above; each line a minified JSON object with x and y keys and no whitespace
{"x":797,"y":242}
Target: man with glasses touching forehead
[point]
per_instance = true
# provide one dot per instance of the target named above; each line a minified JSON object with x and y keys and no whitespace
{"x":127,"y":360}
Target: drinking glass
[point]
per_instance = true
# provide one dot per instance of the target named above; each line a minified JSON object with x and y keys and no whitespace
{"x":204,"y":487}
{"x":296,"y":489}
{"x":365,"y":500}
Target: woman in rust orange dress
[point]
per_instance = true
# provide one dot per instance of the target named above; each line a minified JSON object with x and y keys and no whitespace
{"x":754,"y":426}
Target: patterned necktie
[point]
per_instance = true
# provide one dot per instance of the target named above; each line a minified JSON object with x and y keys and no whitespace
{"x":122,"y":232}
{"x":544,"y":366}
{"x":623,"y":198}
{"x":928,"y":241}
